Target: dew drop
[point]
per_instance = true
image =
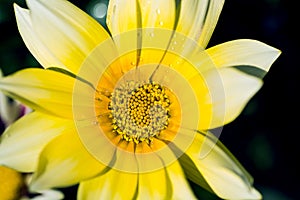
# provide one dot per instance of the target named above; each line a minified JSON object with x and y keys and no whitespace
{"x":161,"y":23}
{"x":158,"y":11}
{"x":108,"y":21}
{"x":95,"y":123}
{"x":132,"y":63}
{"x":151,"y":34}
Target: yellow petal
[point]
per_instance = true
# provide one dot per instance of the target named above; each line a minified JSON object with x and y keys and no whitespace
{"x":129,"y":16}
{"x":244,"y":52}
{"x":213,"y":13}
{"x":224,"y":174}
{"x":198,"y":19}
{"x":181,"y":188}
{"x":165,"y":183}
{"x":155,"y":185}
{"x":42,"y":54}
{"x":43,"y":90}
{"x":157,"y":13}
{"x":64,"y":162}
{"x":112,"y":185}
{"x":238,"y":87}
{"x":68,"y":33}
{"x":126,"y":15}
{"x":22,"y":142}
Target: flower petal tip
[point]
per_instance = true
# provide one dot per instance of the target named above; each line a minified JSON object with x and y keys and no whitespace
{"x":35,"y":185}
{"x":251,"y":194}
{"x":18,"y":10}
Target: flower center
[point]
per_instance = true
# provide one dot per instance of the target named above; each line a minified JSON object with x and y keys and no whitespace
{"x":139,"y":112}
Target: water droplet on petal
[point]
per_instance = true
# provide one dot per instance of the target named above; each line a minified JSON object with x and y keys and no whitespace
{"x":108,"y":21}
{"x":158,"y":11}
{"x":94,"y":123}
{"x":151,"y":34}
{"x":161,"y":23}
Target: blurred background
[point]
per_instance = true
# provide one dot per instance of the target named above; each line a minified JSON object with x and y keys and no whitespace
{"x":264,"y":137}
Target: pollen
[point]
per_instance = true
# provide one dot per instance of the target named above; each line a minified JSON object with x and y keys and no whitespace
{"x":139,"y":112}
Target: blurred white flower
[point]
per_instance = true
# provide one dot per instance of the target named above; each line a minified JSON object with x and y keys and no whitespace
{"x":11,"y":110}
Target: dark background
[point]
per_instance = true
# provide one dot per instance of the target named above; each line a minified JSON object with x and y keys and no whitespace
{"x":264,"y":137}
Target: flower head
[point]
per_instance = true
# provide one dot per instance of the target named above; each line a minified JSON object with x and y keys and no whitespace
{"x":133,"y":105}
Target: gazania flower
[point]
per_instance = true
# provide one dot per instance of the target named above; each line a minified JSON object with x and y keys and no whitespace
{"x":126,"y":112}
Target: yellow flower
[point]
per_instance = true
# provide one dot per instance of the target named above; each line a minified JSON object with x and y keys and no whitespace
{"x":13,"y":186}
{"x":127,"y":113}
{"x":11,"y":183}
